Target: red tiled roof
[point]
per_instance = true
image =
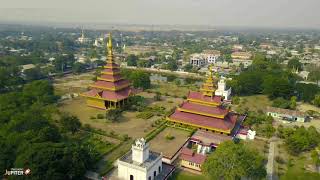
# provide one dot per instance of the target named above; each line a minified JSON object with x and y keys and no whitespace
{"x":199,"y":96}
{"x":226,"y":124}
{"x":111,"y":70}
{"x":203,"y":108}
{"x":209,"y":138}
{"x":195,"y":158}
{"x":92,"y":92}
{"x":111,"y":77}
{"x":118,"y":95}
{"x":186,"y":151}
{"x":108,"y":84}
{"x":111,"y":95}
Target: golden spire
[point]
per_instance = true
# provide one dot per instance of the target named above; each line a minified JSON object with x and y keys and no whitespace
{"x":208,"y":87}
{"x":109,"y":46}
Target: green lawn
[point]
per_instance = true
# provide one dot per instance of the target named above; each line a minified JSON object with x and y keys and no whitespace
{"x":101,"y":146}
{"x":298,"y":172}
{"x":172,"y":89}
{"x":183,"y":175}
{"x":253,"y":103}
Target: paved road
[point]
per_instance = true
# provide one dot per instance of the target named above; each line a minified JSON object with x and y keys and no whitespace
{"x":272,"y":153}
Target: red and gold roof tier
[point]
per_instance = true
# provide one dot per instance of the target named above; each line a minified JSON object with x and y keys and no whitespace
{"x":199,"y":98}
{"x":217,"y":112}
{"x":206,"y":122}
{"x":109,"y":95}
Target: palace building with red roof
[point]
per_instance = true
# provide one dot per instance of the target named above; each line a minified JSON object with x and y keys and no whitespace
{"x":204,"y":110}
{"x":110,"y":90}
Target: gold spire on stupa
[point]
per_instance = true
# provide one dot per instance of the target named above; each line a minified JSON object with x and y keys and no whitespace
{"x":109,"y":49}
{"x":209,"y":87}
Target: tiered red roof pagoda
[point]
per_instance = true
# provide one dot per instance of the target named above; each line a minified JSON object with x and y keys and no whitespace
{"x":204,"y":110}
{"x":110,"y":90}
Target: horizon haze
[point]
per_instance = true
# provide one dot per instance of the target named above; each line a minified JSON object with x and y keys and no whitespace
{"x":213,"y":13}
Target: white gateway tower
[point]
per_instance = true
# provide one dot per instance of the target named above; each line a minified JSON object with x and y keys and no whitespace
{"x":140,"y":163}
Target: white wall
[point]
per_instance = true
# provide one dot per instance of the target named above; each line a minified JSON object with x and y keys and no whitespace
{"x":124,"y":172}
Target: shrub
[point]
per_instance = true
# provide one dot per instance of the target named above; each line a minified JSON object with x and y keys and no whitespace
{"x":157,"y":97}
{"x":169,"y":137}
{"x":113,"y":114}
{"x":235,"y":100}
{"x":87,"y":127}
{"x":145,"y":115}
{"x":100,"y":116}
{"x":279,"y":160}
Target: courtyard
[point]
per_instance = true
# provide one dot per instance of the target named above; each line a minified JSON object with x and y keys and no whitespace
{"x":169,"y":141}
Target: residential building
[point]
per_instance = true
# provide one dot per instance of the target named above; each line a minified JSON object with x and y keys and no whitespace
{"x":206,"y":57}
{"x":197,"y":60}
{"x":286,"y":114}
{"x":237,"y":47}
{"x":205,"y":142}
{"x":241,"y":58}
{"x":211,"y":56}
{"x":191,"y":160}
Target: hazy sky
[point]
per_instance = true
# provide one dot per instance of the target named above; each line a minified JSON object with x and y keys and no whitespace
{"x":253,"y":13}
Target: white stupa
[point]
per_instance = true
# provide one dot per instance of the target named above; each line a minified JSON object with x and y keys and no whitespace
{"x":222,"y":89}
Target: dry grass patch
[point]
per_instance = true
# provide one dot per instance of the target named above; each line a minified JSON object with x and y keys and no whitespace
{"x":166,"y":146}
{"x":128,"y":123}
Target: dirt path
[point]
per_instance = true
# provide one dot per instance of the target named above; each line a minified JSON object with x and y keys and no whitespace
{"x":273,"y":151}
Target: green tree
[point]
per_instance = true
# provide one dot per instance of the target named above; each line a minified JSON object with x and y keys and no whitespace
{"x":132,"y":60}
{"x":39,"y":91}
{"x":78,"y":68}
{"x":314,"y":75}
{"x":302,"y":140}
{"x":233,"y":161}
{"x":188,"y":68}
{"x":281,"y":103}
{"x":316,"y":100}
{"x":293,"y":102}
{"x":157,"y":97}
{"x":140,"y":79}
{"x":10,"y":78}
{"x":70,"y":123}
{"x":113,"y":114}
{"x":294,"y":64}
{"x":34,"y":74}
{"x":54,"y":161}
{"x":306,"y":92}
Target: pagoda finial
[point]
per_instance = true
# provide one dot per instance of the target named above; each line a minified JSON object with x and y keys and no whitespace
{"x":210,"y":70}
{"x":109,"y":45}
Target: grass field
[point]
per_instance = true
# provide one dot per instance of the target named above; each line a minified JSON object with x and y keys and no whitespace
{"x":253,"y":103}
{"x":259,"y":145}
{"x":100,"y":143}
{"x":127,"y":124}
{"x":169,"y":147}
{"x":183,"y":175}
{"x":172,"y":89}
{"x":73,"y":83}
